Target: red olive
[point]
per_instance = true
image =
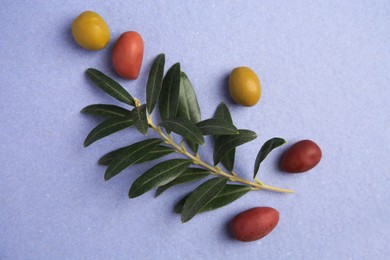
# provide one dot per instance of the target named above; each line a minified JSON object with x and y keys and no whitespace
{"x":127,"y":55}
{"x":301,"y":157}
{"x":254,"y":223}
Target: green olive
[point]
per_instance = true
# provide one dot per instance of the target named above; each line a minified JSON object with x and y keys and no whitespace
{"x":244,"y":86}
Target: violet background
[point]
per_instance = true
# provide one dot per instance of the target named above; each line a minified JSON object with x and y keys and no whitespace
{"x":325,"y":72}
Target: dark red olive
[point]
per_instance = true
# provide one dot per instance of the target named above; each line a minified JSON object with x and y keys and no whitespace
{"x":301,"y":157}
{"x":254,"y":223}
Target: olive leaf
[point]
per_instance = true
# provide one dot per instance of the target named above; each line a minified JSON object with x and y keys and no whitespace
{"x":169,"y":96}
{"x":265,"y":149}
{"x":188,"y":105}
{"x":154,"y":154}
{"x":201,"y":196}
{"x":216,"y":126}
{"x":110,"y":86}
{"x":106,"y":111}
{"x":222,"y":112}
{"x":154,"y":84}
{"x":225,"y":143}
{"x":160,"y":174}
{"x":189,"y":175}
{"x":106,"y":128}
{"x":131,"y":155}
{"x":229,"y":194}
{"x":185,"y":128}
{"x":140,"y":119}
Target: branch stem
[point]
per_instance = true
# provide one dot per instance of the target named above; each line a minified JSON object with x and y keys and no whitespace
{"x":258,"y":185}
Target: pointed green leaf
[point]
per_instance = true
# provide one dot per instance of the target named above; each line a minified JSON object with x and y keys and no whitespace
{"x":225,"y":143}
{"x":228,"y":160}
{"x":154,"y":154}
{"x":265,"y":149}
{"x":110,"y":86}
{"x":223,"y":112}
{"x":185,"y":128}
{"x":106,"y":128}
{"x":189,"y":175}
{"x":188,"y":103}
{"x":169,"y":96}
{"x":216,"y":126}
{"x":106,"y":111}
{"x":229,"y":194}
{"x":201,"y":196}
{"x":140,"y":119}
{"x":160,"y":174}
{"x":131,"y":155}
{"x":154,"y":84}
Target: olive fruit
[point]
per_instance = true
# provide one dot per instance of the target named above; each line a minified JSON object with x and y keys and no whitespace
{"x":90,"y":31}
{"x":127,"y":55}
{"x":244,"y":86}
{"x":254,"y":223}
{"x":301,"y":157}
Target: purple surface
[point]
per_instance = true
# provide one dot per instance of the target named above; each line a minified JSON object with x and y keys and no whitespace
{"x":324,"y":67}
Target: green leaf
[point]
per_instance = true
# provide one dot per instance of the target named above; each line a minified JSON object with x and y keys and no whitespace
{"x":106,"y":111}
{"x":106,"y":128}
{"x":189,"y":175}
{"x":222,"y":112}
{"x":140,"y":119}
{"x":169,"y":97}
{"x":154,"y":154}
{"x":228,"y":160}
{"x":265,"y":149}
{"x":154,"y":84}
{"x":188,"y":103}
{"x":185,"y":128}
{"x":229,"y":194}
{"x":160,"y":174}
{"x":131,"y":155}
{"x":110,"y":86}
{"x":201,"y":196}
{"x":216,"y":126}
{"x":225,"y":143}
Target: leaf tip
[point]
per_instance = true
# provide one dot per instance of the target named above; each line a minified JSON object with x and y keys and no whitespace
{"x":158,"y":192}
{"x":90,"y":71}
{"x":184,"y":219}
{"x":107,"y":176}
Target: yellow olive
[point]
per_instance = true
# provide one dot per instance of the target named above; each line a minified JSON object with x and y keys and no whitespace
{"x":244,"y":86}
{"x":90,"y":31}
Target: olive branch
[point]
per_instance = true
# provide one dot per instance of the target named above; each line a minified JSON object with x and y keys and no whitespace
{"x":180,"y":114}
